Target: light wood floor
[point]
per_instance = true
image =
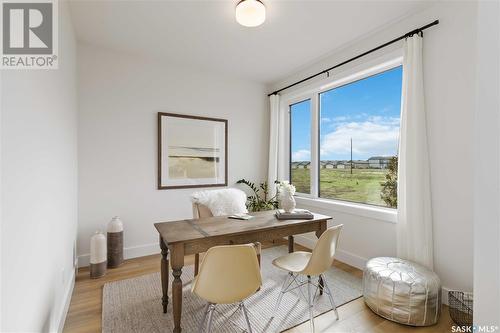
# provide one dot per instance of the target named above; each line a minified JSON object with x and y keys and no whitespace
{"x":86,"y":304}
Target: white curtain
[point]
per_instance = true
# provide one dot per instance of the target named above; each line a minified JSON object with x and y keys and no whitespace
{"x":414,"y":228}
{"x":276,"y":144}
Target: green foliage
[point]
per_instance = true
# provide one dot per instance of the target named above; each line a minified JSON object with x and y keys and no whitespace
{"x":363,"y":185}
{"x":258,"y":200}
{"x":389,"y":191}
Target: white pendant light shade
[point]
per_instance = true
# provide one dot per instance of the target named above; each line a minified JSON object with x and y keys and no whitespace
{"x":250,"y":13}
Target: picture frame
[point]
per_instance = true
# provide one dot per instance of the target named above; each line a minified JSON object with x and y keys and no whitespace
{"x":192,"y":151}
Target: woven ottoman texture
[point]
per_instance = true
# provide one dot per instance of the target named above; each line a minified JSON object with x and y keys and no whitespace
{"x":402,"y":291}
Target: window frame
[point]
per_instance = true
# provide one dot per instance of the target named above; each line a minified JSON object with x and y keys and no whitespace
{"x":312,"y":91}
{"x":312,"y":184}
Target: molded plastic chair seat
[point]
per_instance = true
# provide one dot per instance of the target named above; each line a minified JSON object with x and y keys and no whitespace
{"x":228,"y":274}
{"x":293,"y":262}
{"x":304,"y":264}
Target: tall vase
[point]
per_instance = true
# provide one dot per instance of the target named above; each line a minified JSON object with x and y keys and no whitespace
{"x":287,"y":201}
{"x":98,"y":260}
{"x":115,"y":242}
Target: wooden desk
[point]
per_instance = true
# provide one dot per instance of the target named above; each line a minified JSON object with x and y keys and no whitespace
{"x":180,"y":238}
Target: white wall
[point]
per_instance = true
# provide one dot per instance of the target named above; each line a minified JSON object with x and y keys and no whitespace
{"x":120,"y":96}
{"x":487,"y":169}
{"x":449,"y":73}
{"x":39,"y":190}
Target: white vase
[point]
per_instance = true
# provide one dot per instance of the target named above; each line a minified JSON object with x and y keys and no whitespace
{"x":98,"y":255}
{"x":115,"y":225}
{"x":287,"y":202}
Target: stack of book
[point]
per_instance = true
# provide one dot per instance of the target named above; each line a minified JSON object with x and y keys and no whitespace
{"x":296,"y":214}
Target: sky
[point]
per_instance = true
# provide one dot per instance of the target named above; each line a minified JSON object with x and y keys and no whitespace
{"x":368,"y":111}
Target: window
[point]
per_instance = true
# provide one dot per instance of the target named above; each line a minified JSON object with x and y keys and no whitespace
{"x":300,"y":143}
{"x":358,"y":140}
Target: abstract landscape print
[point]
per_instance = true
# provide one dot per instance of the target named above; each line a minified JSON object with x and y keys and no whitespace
{"x":192,"y":151}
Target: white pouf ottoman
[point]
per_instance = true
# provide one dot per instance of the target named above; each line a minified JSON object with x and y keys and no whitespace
{"x":402,"y":291}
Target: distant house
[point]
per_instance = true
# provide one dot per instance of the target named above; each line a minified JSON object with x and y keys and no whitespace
{"x":301,"y":165}
{"x":340,"y":165}
{"x":360,"y":164}
{"x":327,"y":164}
{"x":379,"y":162}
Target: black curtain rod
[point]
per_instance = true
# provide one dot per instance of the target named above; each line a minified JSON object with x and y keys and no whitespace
{"x":408,"y":34}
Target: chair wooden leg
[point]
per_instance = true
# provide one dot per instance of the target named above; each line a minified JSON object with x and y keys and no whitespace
{"x":196,"y":263}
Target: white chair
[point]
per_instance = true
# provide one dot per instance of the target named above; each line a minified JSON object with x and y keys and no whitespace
{"x":308,"y":264}
{"x":202,"y":211}
{"x":228,"y":274}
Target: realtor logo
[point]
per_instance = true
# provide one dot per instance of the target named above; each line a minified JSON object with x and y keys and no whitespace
{"x":29,"y":36}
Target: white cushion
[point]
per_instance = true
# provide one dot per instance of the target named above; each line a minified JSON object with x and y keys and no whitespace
{"x":221,"y":202}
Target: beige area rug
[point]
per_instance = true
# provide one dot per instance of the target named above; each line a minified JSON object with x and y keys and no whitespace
{"x":134,"y":305}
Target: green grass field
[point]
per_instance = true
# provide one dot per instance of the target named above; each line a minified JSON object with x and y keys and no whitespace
{"x":362,"y":186}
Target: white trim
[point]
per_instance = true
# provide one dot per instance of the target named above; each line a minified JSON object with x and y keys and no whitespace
{"x":67,"y":300}
{"x":352,"y":208}
{"x":341,"y":255}
{"x":346,"y":75}
{"x":351,"y":259}
{"x":314,"y":174}
{"x":312,"y":92}
{"x":128,"y":253}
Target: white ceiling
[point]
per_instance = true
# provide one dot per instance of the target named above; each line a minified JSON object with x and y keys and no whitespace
{"x":205,"y":35}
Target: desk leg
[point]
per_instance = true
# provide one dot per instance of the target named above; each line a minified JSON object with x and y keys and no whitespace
{"x":177,"y":257}
{"x":319,"y":232}
{"x":196,"y":263}
{"x":164,"y":274}
{"x":290,"y":244}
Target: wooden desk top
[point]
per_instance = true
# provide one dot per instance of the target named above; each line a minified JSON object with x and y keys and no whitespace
{"x":193,"y":229}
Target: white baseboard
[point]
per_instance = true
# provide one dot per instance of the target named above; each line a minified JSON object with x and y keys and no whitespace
{"x":66,"y":302}
{"x":128,"y":253}
{"x":444,"y":295}
{"x":344,"y":256}
{"x":351,"y":259}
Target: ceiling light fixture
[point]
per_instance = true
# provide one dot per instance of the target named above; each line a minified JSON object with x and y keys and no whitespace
{"x":250,"y":13}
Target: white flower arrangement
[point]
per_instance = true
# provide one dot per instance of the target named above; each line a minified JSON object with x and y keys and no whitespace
{"x":285,"y":187}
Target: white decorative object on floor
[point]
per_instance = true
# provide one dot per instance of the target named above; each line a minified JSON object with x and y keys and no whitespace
{"x":402,"y":291}
{"x":299,"y":264}
{"x":222,"y":202}
{"x":115,"y":242}
{"x":414,"y":227}
{"x":98,"y":255}
{"x":286,"y":192}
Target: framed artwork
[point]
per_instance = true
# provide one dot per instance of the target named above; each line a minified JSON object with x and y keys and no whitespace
{"x":192,"y":151}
